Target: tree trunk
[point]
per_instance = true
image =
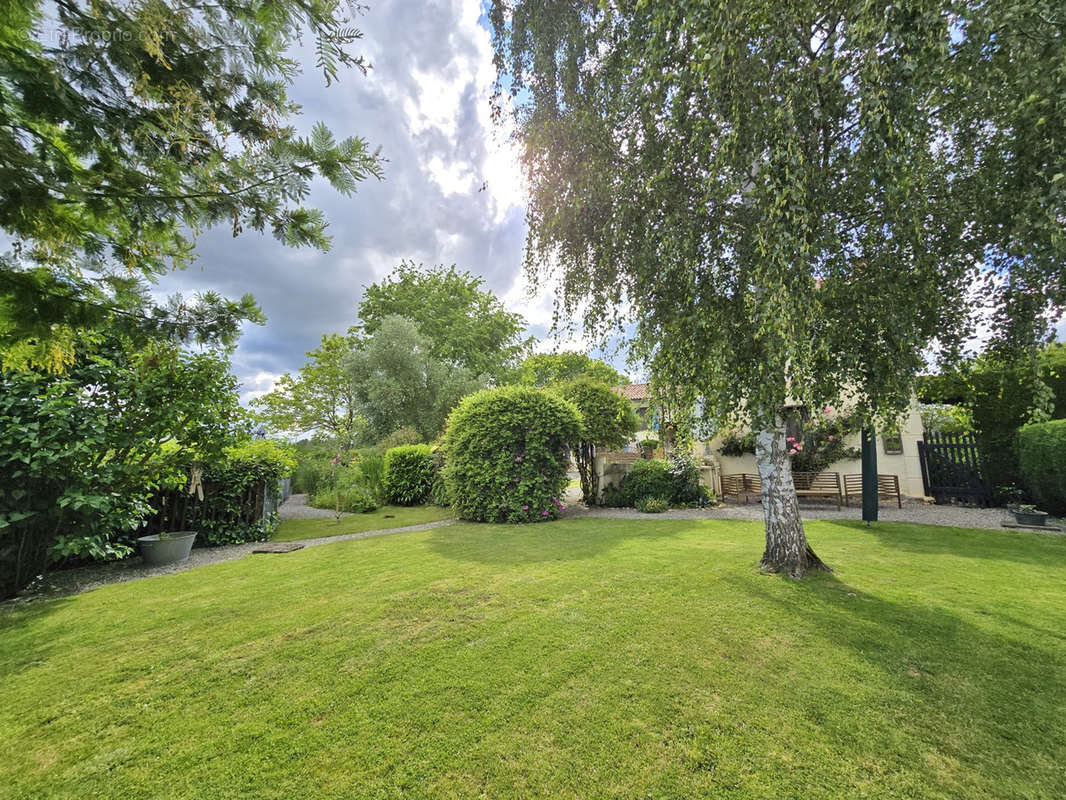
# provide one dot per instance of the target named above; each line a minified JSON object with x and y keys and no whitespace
{"x":786,"y":543}
{"x":585,"y":461}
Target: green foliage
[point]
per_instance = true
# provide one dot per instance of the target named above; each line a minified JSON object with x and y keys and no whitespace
{"x":82,"y":452}
{"x":649,"y":444}
{"x":824,"y":443}
{"x":371,"y":467}
{"x":465,"y":325}
{"x":321,"y":398}
{"x":225,"y":518}
{"x":552,"y":369}
{"x":128,"y":128}
{"x":507,"y":456}
{"x":438,"y":494}
{"x":1042,"y":462}
{"x":408,"y":474}
{"x":794,"y":204}
{"x":398,"y":382}
{"x":354,"y":498}
{"x":684,"y":474}
{"x":607,"y":422}
{"x":652,"y":505}
{"x":736,"y":444}
{"x":648,"y":478}
{"x":400,"y":436}
{"x":946,"y":418}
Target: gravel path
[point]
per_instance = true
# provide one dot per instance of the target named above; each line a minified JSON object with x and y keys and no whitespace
{"x":913,"y":511}
{"x":82,"y":579}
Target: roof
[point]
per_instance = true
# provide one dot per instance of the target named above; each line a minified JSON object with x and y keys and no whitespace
{"x":634,"y":391}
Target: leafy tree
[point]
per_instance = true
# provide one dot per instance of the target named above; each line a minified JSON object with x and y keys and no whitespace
{"x":607,"y":422}
{"x":465,"y":325}
{"x":786,"y":197}
{"x":398,"y":382}
{"x":81,"y":452}
{"x":321,"y":398}
{"x":548,"y":369}
{"x":126,"y":126}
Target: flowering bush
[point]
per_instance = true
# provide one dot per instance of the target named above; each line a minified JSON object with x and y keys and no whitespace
{"x":506,"y":455}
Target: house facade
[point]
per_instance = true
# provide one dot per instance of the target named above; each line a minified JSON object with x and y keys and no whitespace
{"x":897,"y":453}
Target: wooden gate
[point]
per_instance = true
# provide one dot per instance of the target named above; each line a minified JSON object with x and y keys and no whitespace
{"x":951,"y":469}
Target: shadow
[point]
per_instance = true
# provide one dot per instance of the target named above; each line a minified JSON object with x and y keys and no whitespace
{"x":975,"y":692}
{"x":995,"y":545}
{"x":561,"y":540}
{"x":20,"y":642}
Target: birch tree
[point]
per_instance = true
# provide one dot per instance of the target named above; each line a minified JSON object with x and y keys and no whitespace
{"x":796,"y":202}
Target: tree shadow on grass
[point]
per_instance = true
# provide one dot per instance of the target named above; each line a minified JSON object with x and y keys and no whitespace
{"x":562,"y":540}
{"x":1005,"y":545}
{"x":985,"y":697}
{"x":20,"y":646}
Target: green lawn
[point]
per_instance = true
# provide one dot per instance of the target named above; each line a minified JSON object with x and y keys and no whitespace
{"x":584,"y":658}
{"x":292,"y":530}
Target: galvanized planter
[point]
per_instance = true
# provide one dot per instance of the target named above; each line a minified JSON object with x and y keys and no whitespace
{"x":161,"y":549}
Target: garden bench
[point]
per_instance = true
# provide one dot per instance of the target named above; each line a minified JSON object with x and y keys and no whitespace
{"x":819,"y":484}
{"x":887,"y":488}
{"x":741,"y":484}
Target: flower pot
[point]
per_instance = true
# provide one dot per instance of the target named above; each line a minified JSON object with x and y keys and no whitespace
{"x":159,"y":550}
{"x":1036,"y":518}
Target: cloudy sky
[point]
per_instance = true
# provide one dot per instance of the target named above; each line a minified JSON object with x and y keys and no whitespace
{"x":425,"y":102}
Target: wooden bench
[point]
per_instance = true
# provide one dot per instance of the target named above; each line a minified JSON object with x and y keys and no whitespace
{"x":819,"y":484}
{"x":887,"y":488}
{"x":743,"y":485}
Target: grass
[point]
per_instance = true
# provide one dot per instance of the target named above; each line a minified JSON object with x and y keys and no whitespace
{"x":580,"y":658}
{"x":292,"y":530}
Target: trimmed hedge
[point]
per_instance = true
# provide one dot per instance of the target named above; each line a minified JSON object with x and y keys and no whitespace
{"x":507,"y":457}
{"x":408,"y":474}
{"x":1042,"y":463}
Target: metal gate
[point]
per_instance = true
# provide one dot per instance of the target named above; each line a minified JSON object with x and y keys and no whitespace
{"x":951,"y":469}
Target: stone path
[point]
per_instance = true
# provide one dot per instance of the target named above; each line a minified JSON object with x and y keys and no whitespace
{"x":83,"y":579}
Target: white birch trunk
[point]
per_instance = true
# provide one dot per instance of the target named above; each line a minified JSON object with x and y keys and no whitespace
{"x":786,"y":543}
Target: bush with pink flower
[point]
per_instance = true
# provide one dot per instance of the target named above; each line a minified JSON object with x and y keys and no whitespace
{"x":506,"y":454}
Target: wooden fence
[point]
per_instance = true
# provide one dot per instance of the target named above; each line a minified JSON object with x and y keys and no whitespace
{"x":952,"y":472}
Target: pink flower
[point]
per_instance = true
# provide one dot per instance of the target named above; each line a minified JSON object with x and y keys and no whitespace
{"x":544,"y":513}
{"x":799,"y":446}
{"x":517,"y":459}
{"x":525,"y":508}
{"x":831,"y":437}
{"x":790,"y":438}
{"x":827,"y":410}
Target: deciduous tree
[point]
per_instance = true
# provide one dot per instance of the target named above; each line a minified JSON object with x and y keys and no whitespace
{"x":788,"y":198}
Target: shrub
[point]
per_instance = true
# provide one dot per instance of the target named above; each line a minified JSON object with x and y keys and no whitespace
{"x":438,"y":494}
{"x":370,"y":467}
{"x":653,"y":505}
{"x":355,"y":499}
{"x":647,"y":478}
{"x":684,"y":475}
{"x":506,"y":454}
{"x":1042,"y":461}
{"x":408,"y":474}
{"x":400,"y":437}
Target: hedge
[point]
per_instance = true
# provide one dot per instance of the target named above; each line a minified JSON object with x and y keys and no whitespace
{"x":1042,"y":463}
{"x":408,"y":474}
{"x":507,"y":457}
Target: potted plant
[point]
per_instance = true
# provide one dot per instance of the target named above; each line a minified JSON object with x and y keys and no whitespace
{"x":160,"y":549}
{"x":1025,"y":514}
{"x":648,"y":446}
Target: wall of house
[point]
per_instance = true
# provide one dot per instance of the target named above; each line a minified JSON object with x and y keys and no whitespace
{"x":905,"y":465}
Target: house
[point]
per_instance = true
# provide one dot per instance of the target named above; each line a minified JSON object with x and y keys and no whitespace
{"x":897,"y":451}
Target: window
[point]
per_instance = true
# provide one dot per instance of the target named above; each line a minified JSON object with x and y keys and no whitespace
{"x":893,"y":442}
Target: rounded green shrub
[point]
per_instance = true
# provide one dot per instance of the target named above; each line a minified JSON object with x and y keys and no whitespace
{"x":507,"y":456}
{"x":1042,"y":463}
{"x":408,"y":474}
{"x":647,"y":478}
